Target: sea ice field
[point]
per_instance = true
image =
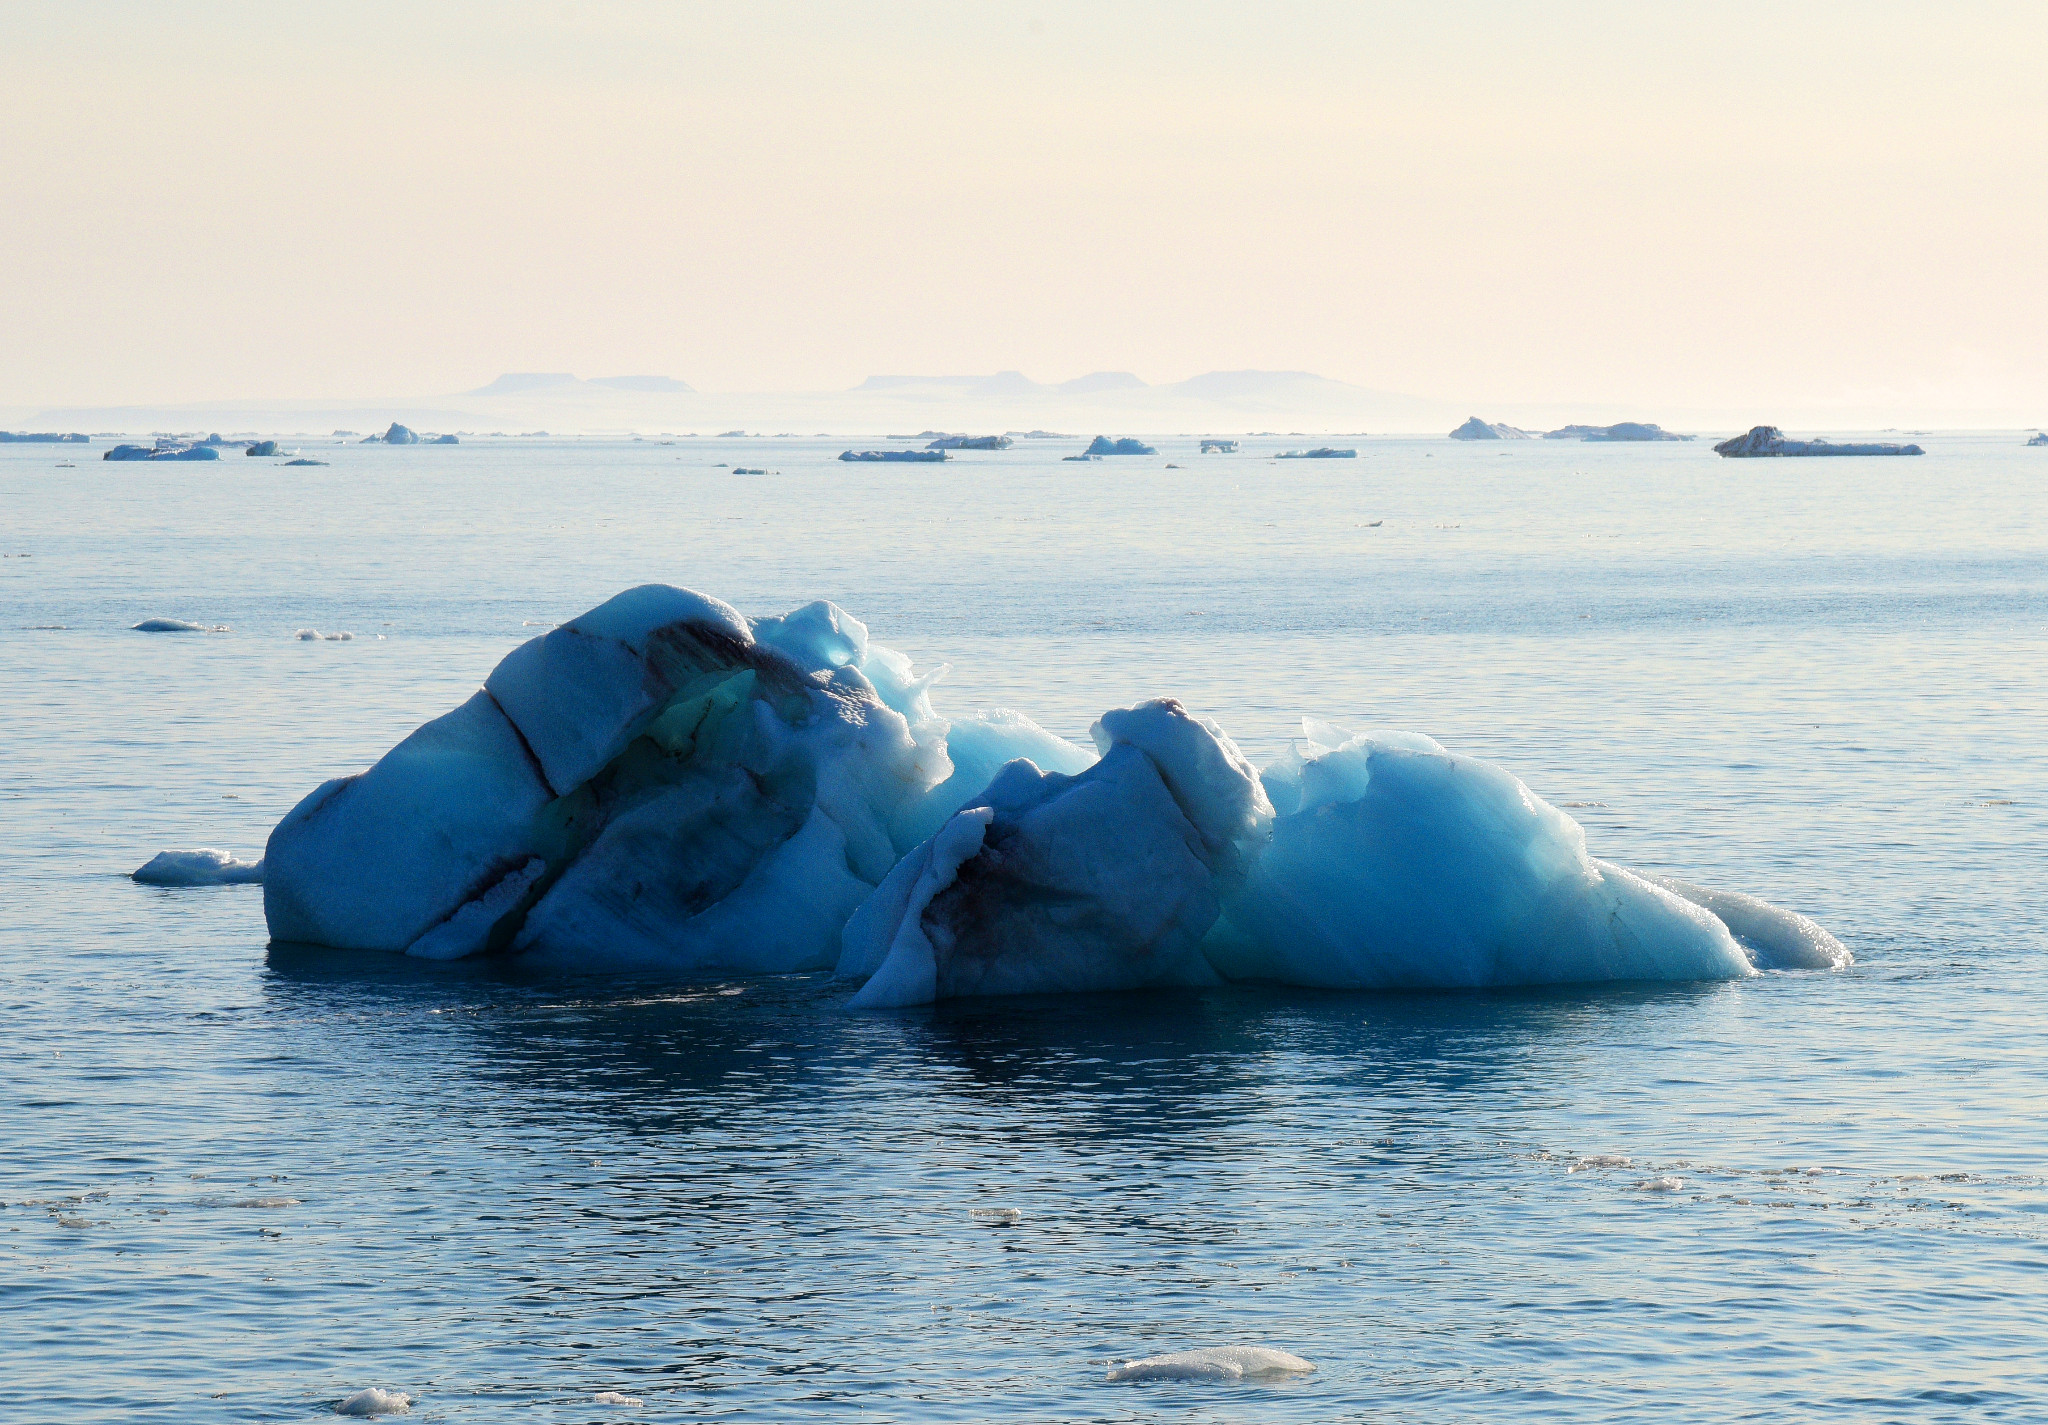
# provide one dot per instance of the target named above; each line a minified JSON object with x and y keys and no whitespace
{"x":257,"y":1183}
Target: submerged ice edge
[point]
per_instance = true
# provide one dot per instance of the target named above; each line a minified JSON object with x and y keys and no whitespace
{"x":663,"y":784}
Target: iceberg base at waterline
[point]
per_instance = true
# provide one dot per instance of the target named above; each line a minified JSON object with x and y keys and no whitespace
{"x":665,"y":785}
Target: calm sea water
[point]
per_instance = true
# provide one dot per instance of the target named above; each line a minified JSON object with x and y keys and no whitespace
{"x":239,"y":1184}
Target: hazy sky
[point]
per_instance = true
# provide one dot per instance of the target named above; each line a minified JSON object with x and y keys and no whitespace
{"x":1698,"y":203}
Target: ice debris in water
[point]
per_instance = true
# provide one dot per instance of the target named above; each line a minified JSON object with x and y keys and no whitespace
{"x":177,"y":625}
{"x":1219,"y":1363}
{"x":996,"y":1216}
{"x":1661,"y":1185}
{"x":664,"y":784}
{"x":373,"y":1401}
{"x":1598,"y":1160}
{"x":203,"y":867}
{"x":617,"y":1397}
{"x":314,"y":635}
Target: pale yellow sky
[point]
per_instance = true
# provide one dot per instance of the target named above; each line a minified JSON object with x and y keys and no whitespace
{"x":1693,"y":204}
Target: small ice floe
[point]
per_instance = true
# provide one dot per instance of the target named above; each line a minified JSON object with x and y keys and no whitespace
{"x":373,"y":1401}
{"x":176,"y":625}
{"x":996,"y":1216}
{"x":618,"y":1397}
{"x":1221,"y":1363}
{"x":314,"y":635}
{"x":1599,"y":1160}
{"x":1661,"y":1185}
{"x":203,"y":867}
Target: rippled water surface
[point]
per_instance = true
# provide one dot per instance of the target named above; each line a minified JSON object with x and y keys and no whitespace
{"x":239,"y":1184}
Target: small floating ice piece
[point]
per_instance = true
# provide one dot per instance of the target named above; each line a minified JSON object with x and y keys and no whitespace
{"x":996,"y":1216}
{"x":1599,"y":1160}
{"x":618,"y":1397}
{"x":203,"y":867}
{"x":372,"y":1401}
{"x":1214,"y":1363}
{"x":176,"y":625}
{"x":1661,"y":1185}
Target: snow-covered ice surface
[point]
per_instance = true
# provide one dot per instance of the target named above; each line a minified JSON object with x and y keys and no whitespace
{"x":505,"y":1192}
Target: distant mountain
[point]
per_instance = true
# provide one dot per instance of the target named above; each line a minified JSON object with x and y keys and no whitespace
{"x":1261,"y":386}
{"x":643,"y":383}
{"x":1101,"y":381}
{"x":526,"y":383}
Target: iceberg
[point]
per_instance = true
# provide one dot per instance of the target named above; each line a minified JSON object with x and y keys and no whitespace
{"x":1321,"y":452}
{"x":1622,"y":430}
{"x":1770,"y":441}
{"x":665,"y":785}
{"x":204,"y":867}
{"x":163,"y":450}
{"x":2039,"y":438}
{"x":1122,"y":445}
{"x":1215,"y":1363}
{"x":894,"y":455}
{"x":1476,"y":429}
{"x":444,"y":440}
{"x":176,"y":625}
{"x":971,"y":442}
{"x":263,"y":447}
{"x":1219,"y":447}
{"x":400,"y":435}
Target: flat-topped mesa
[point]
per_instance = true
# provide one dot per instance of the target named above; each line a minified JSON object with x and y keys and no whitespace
{"x":1476,"y":429}
{"x":1770,"y":441}
{"x":1620,"y":430}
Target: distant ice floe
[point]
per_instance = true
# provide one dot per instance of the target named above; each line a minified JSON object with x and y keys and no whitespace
{"x":314,"y":635}
{"x":617,"y":1397}
{"x":1214,"y":1363}
{"x":177,"y":625}
{"x":665,"y":785}
{"x":203,"y":867}
{"x":1770,"y":441}
{"x":374,"y":1401}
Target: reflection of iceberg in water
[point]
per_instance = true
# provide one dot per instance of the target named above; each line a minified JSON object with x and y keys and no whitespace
{"x":664,"y":785}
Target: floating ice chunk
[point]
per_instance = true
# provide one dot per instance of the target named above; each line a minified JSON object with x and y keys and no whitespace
{"x":1599,"y":1160}
{"x":1409,"y":866}
{"x":314,"y":635}
{"x":1217,"y":1363}
{"x":1775,"y":939}
{"x":617,"y":1397}
{"x":1661,"y":1185}
{"x":177,"y":625}
{"x":374,"y":1401}
{"x":203,"y":867}
{"x":996,"y":1216}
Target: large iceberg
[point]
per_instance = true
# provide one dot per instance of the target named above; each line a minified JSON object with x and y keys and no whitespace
{"x":1770,"y":441}
{"x":663,"y":784}
{"x":1476,"y":429}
